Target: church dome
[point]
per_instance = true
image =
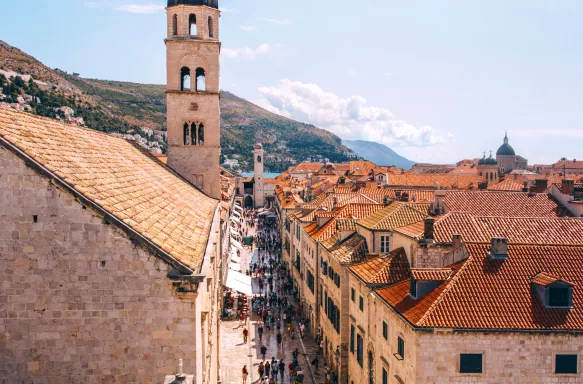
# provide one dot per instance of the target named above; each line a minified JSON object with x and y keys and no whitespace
{"x":505,"y":149}
{"x":482,"y":160}
{"x":208,"y":3}
{"x":490,"y":161}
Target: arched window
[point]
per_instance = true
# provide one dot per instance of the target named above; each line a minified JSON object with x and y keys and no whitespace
{"x":200,"y":134}
{"x":211,"y":32}
{"x":185,"y":79}
{"x":192,"y":25}
{"x":186,"y":142}
{"x":193,"y":134}
{"x":259,"y":159}
{"x":200,"y":80}
{"x":174,"y":25}
{"x":370,"y":368}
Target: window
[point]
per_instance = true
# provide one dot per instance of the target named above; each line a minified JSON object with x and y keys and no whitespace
{"x":321,"y":297}
{"x":385,"y":376}
{"x":352,"y":294}
{"x":400,"y":348}
{"x":259,"y":159}
{"x":471,"y":363}
{"x":352,"y":338}
{"x":361,"y":303}
{"x":370,"y":368}
{"x":559,"y":297}
{"x":185,"y":79}
{"x":359,"y":351}
{"x":211,"y":29}
{"x":384,"y":244}
{"x":193,"y":134}
{"x":310,"y":280}
{"x":186,"y":135}
{"x":385,"y":330}
{"x":566,"y":364}
{"x":174,"y":25}
{"x":413,"y":288}
{"x":200,"y":134}
{"x":200,"y":80}
{"x":192,"y":25}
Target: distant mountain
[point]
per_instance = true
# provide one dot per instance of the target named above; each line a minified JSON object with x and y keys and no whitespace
{"x":378,"y":153}
{"x":139,"y":111}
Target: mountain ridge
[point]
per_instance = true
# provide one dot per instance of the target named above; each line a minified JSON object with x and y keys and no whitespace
{"x":378,"y":153}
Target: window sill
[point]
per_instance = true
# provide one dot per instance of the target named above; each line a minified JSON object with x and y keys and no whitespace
{"x":398,"y":357}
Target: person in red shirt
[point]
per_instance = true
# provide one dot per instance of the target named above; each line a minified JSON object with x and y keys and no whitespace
{"x":245,"y":334}
{"x":245,"y":373}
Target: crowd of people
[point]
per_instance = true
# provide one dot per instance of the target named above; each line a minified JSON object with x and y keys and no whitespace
{"x":273,"y":305}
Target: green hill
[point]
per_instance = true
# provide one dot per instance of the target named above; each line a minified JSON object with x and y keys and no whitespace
{"x":378,"y":153}
{"x":131,"y":109}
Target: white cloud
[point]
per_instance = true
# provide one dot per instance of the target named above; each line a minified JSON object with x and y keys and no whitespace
{"x":247,"y":28}
{"x":278,"y":21}
{"x":349,"y":118}
{"x":141,"y":8}
{"x":227,"y":9}
{"x":245,"y":53}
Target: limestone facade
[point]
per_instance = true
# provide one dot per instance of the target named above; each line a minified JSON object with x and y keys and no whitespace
{"x":192,"y":152}
{"x":259,"y":182}
{"x":81,"y":302}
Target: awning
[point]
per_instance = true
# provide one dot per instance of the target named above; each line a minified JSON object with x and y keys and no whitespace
{"x":239,"y":282}
{"x":236,"y":244}
{"x":236,"y":213}
{"x":235,"y":219}
{"x":238,"y":207}
{"x":235,"y":258}
{"x":235,"y":267}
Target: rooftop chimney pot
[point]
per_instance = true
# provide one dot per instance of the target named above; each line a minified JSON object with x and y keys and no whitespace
{"x":499,"y":248}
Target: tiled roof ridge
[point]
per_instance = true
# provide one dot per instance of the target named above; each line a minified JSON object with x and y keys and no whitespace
{"x":450,"y":283}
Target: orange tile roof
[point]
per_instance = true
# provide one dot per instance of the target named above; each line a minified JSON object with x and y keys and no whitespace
{"x":496,"y":294}
{"x":431,"y":274}
{"x":307,"y":167}
{"x":346,"y":224}
{"x":351,"y":250}
{"x":560,"y":186}
{"x":545,"y":279}
{"x":518,"y":230}
{"x":507,"y":204}
{"x":348,"y":211}
{"x":395,"y":215}
{"x":133,"y":187}
{"x":510,"y":185}
{"x":383,"y":270}
{"x":361,"y":167}
{"x":430,"y":180}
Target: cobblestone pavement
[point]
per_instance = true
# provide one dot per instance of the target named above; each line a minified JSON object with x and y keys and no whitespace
{"x":235,"y":353}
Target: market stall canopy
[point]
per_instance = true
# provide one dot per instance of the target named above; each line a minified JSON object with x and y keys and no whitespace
{"x":239,"y":282}
{"x":236,"y":244}
{"x":235,"y":267}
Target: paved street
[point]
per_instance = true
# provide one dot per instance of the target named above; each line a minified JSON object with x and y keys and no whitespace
{"x":235,"y":354}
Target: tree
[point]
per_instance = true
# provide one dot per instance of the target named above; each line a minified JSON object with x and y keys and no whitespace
{"x":19,"y":82}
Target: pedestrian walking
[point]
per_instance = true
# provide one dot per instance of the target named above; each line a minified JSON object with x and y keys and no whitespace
{"x":245,"y":373}
{"x":316,"y":363}
{"x":281,"y":368}
{"x":279,"y":339}
{"x":263,"y":351}
{"x":245,"y":335}
{"x":261,"y":369}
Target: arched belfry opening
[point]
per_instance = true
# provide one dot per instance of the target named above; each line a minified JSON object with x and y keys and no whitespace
{"x":192,"y":25}
{"x":259,"y":159}
{"x":200,"y":134}
{"x":185,"y":79}
{"x":200,"y":80}
{"x":174,"y":25}
{"x":211,"y":27}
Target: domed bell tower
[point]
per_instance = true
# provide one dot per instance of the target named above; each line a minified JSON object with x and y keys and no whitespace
{"x":192,"y":92}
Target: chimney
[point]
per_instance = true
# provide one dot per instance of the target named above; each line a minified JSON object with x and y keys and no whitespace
{"x":568,"y":187}
{"x":428,"y":233}
{"x":457,"y":240}
{"x":386,"y":201}
{"x":540,"y":186}
{"x":438,"y":202}
{"x":483,"y":185}
{"x":179,"y":377}
{"x":335,"y":200}
{"x":499,"y":248}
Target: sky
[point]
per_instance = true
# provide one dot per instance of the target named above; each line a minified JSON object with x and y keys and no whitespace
{"x":437,"y":81}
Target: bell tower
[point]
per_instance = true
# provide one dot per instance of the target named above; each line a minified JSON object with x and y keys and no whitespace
{"x":259,"y":185}
{"x":192,"y":92}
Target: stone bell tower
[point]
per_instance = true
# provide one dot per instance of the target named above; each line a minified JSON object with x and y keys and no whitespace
{"x":259,"y":185}
{"x":192,"y":92}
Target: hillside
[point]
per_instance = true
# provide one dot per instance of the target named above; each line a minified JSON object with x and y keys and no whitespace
{"x":138,"y":111}
{"x":378,"y":153}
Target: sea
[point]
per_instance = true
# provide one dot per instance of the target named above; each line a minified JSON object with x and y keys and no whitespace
{"x":265,"y":175}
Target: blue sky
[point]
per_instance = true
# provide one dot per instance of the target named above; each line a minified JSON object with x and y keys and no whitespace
{"x":435,"y":80}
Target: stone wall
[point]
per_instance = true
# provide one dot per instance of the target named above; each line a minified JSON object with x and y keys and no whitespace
{"x":81,"y":303}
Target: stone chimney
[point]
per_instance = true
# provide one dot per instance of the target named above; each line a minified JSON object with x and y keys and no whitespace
{"x":540,"y":186}
{"x":568,"y":187}
{"x":428,"y":232}
{"x":386,"y":201}
{"x":499,"y":248}
{"x":438,"y":201}
{"x":456,"y":240}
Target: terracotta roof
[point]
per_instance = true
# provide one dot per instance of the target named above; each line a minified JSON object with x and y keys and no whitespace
{"x":429,"y":180}
{"x":560,"y":186}
{"x":361,"y":167}
{"x":510,"y":185}
{"x":431,"y":274}
{"x":506,"y":204}
{"x":346,"y":224}
{"x":307,"y":168}
{"x":387,"y":269}
{"x":496,"y":294}
{"x":270,"y":181}
{"x":545,"y":279}
{"x":159,"y":156}
{"x":348,"y":211}
{"x":394,"y":216}
{"x":351,"y":250}
{"x":124,"y":181}
{"x":518,"y":230}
